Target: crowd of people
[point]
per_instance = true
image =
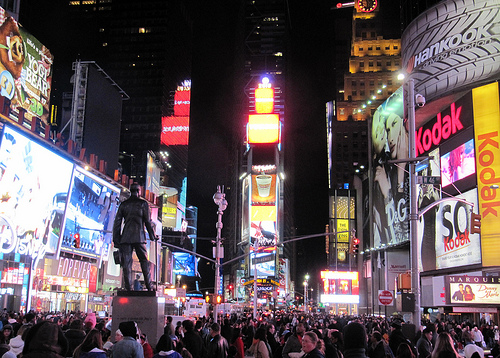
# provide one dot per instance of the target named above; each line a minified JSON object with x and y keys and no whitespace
{"x":290,"y":335}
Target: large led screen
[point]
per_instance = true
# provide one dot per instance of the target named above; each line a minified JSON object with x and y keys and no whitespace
{"x":390,"y":181}
{"x":265,"y":262}
{"x":458,"y":163}
{"x":34,"y":183}
{"x":25,"y":70}
{"x":264,"y":188}
{"x":182,"y":102}
{"x":175,"y":130}
{"x":340,"y":287}
{"x":263,"y":225}
{"x":184,"y":264}
{"x":90,"y":213}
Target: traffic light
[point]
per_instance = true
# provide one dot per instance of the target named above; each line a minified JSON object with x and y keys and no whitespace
{"x":354,"y":246}
{"x":475,"y":223}
{"x":208,"y":298}
{"x":76,"y":240}
{"x":218,"y":299}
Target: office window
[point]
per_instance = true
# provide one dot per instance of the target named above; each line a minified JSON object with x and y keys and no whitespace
{"x":377,"y":48}
{"x":353,"y":83}
{"x":361,"y":64}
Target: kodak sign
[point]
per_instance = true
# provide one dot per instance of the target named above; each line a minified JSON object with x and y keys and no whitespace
{"x":487,"y":141}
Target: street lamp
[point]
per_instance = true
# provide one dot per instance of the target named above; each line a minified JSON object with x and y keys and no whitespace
{"x":220,"y":200}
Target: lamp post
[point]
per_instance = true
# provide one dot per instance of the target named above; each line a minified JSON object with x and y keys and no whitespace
{"x":306,"y":282}
{"x":220,"y":200}
{"x":414,"y":252}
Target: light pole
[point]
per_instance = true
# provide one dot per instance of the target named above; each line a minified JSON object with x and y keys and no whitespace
{"x":305,"y":291}
{"x":220,"y":200}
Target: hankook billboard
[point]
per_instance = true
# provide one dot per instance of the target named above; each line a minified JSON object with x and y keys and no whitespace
{"x":453,"y":46}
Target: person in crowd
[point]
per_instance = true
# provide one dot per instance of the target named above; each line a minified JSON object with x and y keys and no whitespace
{"x":478,"y":337}
{"x":137,"y":283}
{"x":294,"y":342}
{"x":89,"y":322}
{"x":312,"y":346}
{"x":146,"y":347}
{"x":217,"y":346}
{"x":355,"y":340}
{"x":45,"y":340}
{"x":271,"y":338}
{"x":444,"y":347}
{"x":237,"y":342}
{"x":330,"y":350}
{"x":6,"y":334}
{"x":397,"y":336}
{"x":16,"y":344}
{"x":91,"y":347}
{"x":134,"y":214}
{"x":179,"y":348}
{"x":378,"y":347}
{"x":192,"y":340}
{"x":169,"y":327}
{"x":75,"y":335}
{"x":259,"y":347}
{"x":470,"y":347}
{"x":165,"y":348}
{"x":405,"y":351}
{"x":424,"y":344}
{"x":127,"y":347}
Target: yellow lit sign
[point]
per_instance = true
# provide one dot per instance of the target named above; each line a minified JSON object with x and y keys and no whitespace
{"x":264,"y":100}
{"x":263,"y":128}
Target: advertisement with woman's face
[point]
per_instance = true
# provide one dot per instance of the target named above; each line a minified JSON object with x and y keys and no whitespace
{"x":390,"y":181}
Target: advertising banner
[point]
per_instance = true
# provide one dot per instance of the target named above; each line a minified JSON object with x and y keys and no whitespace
{"x":471,"y":290}
{"x":263,"y":128}
{"x":455,"y":245}
{"x":25,"y":70}
{"x":265,"y":263}
{"x":245,"y":209}
{"x":452,"y":46}
{"x":486,"y":131}
{"x":264,"y":188}
{"x":34,"y":183}
{"x":340,"y":287}
{"x":90,"y":214}
{"x":175,"y":130}
{"x":390,"y":181}
{"x":182,"y":101}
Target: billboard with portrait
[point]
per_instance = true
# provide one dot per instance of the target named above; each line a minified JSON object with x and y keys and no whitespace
{"x":390,"y":181}
{"x":458,"y":163}
{"x":25,"y":70}
{"x":472,"y":290}
{"x":90,"y":214}
{"x":340,"y":287}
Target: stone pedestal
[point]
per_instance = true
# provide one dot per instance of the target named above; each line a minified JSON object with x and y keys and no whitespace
{"x":142,"y":307}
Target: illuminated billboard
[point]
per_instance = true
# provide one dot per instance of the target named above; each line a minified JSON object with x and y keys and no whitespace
{"x":34,"y":184}
{"x":175,"y":130}
{"x":152,"y":178}
{"x":184,"y":264}
{"x":25,"y":70}
{"x":264,"y":100}
{"x":263,"y":225}
{"x":340,"y":287}
{"x":263,"y":128}
{"x":452,"y":46}
{"x":264,"y":188}
{"x":472,"y":290}
{"x":182,"y":101}
{"x":264,"y":261}
{"x":486,"y":132}
{"x":245,"y":209}
{"x":458,"y":163}
{"x":90,"y":214}
{"x":390,"y":181}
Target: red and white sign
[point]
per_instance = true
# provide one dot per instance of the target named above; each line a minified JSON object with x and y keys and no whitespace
{"x":385,"y":298}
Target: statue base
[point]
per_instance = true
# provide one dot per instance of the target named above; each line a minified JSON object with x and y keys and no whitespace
{"x":142,"y":307}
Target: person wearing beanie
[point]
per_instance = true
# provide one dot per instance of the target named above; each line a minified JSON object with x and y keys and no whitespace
{"x":397,"y":336}
{"x":90,"y":321}
{"x":128,"y":347}
{"x":355,"y":340}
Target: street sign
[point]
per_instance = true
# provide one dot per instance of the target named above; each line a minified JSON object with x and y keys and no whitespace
{"x":385,"y":298}
{"x":428,"y":180}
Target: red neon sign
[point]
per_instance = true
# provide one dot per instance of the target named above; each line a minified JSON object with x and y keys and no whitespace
{"x":175,"y":130}
{"x":182,"y":102}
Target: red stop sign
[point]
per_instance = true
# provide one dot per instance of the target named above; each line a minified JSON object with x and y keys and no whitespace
{"x":385,"y":297}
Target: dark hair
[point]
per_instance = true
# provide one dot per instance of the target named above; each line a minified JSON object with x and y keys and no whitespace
{"x":404,"y":351}
{"x":188,"y":325}
{"x":46,"y":336}
{"x":92,"y":340}
{"x":215,"y":327}
{"x":377,"y":335}
{"x":128,"y":329}
{"x":354,"y":336}
{"x":164,"y":344}
{"x":261,"y":334}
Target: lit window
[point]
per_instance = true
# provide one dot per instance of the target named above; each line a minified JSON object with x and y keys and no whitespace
{"x":88,"y":2}
{"x":74,"y":2}
{"x":104,"y":44}
{"x":101,"y":30}
{"x":142,"y":30}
